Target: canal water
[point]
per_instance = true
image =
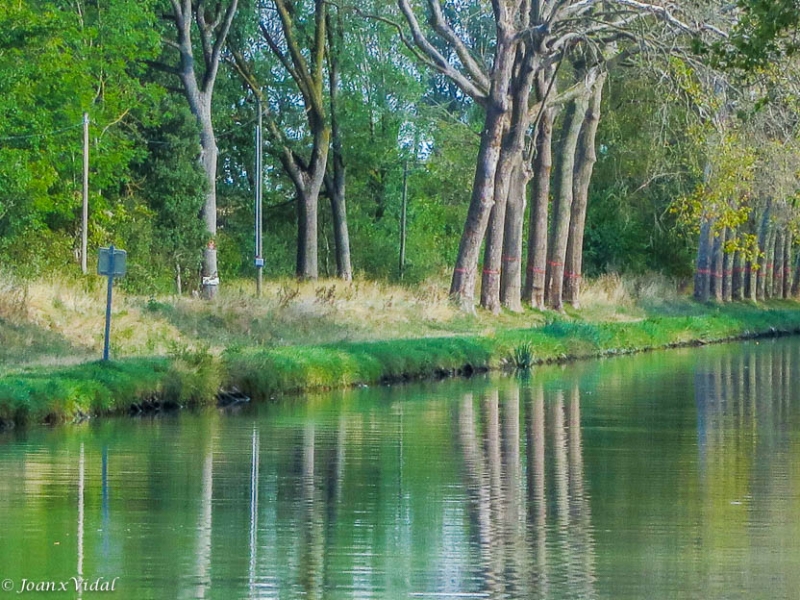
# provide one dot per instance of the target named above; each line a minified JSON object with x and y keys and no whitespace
{"x":666,"y":475}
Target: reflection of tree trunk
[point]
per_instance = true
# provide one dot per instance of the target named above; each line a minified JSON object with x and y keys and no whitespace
{"x":254,"y":476}
{"x":561,"y":465}
{"x":787,"y":377}
{"x":581,"y":508}
{"x":204,"y":528}
{"x":81,"y":511}
{"x":511,"y":446}
{"x":537,"y":505}
{"x":312,"y":542}
{"x":516,"y":545}
{"x":477,"y":488}
{"x":752,"y":387}
{"x":495,"y":550}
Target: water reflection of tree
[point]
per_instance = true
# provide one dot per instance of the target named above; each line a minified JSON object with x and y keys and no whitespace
{"x":747,"y":444}
{"x":524,"y":550}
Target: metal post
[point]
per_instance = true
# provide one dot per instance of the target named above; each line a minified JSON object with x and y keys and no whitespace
{"x":85,"y":210}
{"x":403,"y":220}
{"x":259,"y":200}
{"x":111,"y":267}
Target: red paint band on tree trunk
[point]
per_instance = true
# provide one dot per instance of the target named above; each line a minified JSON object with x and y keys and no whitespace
{"x":537,"y":270}
{"x":555,"y":264}
{"x":572,"y":276}
{"x":510,"y":258}
{"x":490,"y":272}
{"x":461,"y":271}
{"x":704,"y":271}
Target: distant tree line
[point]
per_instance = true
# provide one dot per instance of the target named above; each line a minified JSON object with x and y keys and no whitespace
{"x":487,"y":112}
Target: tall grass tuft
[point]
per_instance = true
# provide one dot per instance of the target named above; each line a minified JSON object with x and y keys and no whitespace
{"x":523,"y":357}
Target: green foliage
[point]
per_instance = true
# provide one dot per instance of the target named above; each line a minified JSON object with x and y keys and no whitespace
{"x":523,"y":358}
{"x":59,"y":61}
{"x":165,"y":235}
{"x":194,"y":376}
{"x":766,"y":32}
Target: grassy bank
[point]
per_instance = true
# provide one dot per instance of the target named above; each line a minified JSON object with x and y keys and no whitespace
{"x":265,"y":372}
{"x":319,"y":335}
{"x":53,"y":392}
{"x":76,"y":392}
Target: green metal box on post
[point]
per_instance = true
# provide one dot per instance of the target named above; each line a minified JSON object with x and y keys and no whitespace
{"x":111,"y":262}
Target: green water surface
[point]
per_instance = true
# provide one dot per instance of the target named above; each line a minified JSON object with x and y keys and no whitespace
{"x":667,"y":475}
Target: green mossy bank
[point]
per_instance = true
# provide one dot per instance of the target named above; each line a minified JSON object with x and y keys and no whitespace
{"x":75,"y":393}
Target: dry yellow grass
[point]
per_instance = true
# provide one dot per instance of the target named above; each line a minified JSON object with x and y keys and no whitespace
{"x":77,"y":312}
{"x":289,"y":312}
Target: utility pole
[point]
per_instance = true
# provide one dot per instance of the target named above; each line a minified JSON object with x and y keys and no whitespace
{"x":85,"y":211}
{"x":259,"y":261}
{"x":403,"y":220}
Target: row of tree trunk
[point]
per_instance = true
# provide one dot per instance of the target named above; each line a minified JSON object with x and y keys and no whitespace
{"x":509,"y":163}
{"x":726,"y":272}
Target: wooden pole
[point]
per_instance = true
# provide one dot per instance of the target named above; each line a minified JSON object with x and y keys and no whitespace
{"x":85,"y":210}
{"x":259,"y":200}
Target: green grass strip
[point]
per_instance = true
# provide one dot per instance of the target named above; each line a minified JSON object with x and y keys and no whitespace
{"x":69,"y":393}
{"x":263,"y":373}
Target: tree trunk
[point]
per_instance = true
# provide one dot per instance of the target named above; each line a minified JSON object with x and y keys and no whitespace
{"x":787,"y":266}
{"x":586,"y":158}
{"x":462,"y":287}
{"x":777,"y":272}
{"x":562,"y":205}
{"x":208,"y":158}
{"x":493,"y":250}
{"x":769,"y":258}
{"x":308,"y":185}
{"x":796,"y":279}
{"x":739,"y":278}
{"x":537,"y":236}
{"x":341,"y":233}
{"x":198,"y":91}
{"x":336,"y":185}
{"x":727,"y":268}
{"x":511,"y":277}
{"x":702,"y":276}
{"x":717,"y":265}
{"x":510,"y":159}
{"x":761,"y":275}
